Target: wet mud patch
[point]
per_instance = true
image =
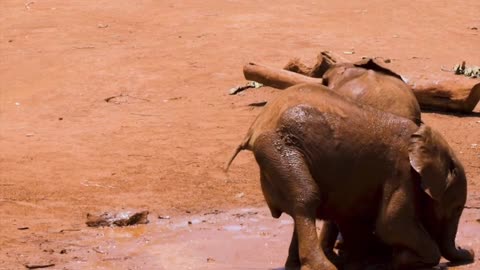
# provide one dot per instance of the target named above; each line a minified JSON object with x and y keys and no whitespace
{"x":247,"y":238}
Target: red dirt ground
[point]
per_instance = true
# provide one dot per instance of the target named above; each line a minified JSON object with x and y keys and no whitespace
{"x":65,"y":152}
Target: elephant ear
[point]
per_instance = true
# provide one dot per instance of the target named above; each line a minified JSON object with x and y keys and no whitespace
{"x":369,"y":63}
{"x":429,"y":157}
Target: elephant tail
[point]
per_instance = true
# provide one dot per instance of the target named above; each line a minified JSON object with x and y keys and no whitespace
{"x":242,"y":146}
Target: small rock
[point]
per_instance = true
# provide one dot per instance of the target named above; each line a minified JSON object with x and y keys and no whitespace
{"x":29,"y":134}
{"x":473,"y":28}
{"x":387,"y":60}
{"x":209,"y":259}
{"x":348,"y":52}
{"x":239,"y":195}
{"x":137,"y":218}
{"x":122,"y":219}
{"x":10,"y":40}
{"x":60,"y":118}
{"x":17,"y":103}
{"x":101,"y":25}
{"x":189,"y":222}
{"x":98,"y":221}
{"x":63,"y":251}
{"x":23,"y":228}
{"x":163,"y":217}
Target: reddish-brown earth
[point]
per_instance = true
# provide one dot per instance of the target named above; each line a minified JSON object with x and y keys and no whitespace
{"x":160,"y":145}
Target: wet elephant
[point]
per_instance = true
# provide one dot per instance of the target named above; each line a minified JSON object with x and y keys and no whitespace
{"x":312,"y":143}
{"x":370,"y":83}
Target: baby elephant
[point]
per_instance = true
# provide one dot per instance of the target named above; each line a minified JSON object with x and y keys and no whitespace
{"x":324,"y":156}
{"x":368,"y":82}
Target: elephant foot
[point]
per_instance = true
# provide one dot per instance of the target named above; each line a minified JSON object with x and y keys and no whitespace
{"x":460,"y":256}
{"x":405,"y":259}
{"x":293,"y":263}
{"x":318,"y":264}
{"x":324,"y":266}
{"x":289,"y":267}
{"x":336,"y":259}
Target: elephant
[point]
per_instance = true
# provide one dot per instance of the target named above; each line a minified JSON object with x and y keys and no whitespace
{"x":325,"y":156}
{"x":368,"y":82}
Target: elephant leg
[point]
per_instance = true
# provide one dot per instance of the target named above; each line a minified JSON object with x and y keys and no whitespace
{"x":398,"y":227}
{"x":293,"y":259}
{"x":311,"y":256}
{"x":328,"y":238}
{"x":358,"y":244}
{"x":291,"y":187}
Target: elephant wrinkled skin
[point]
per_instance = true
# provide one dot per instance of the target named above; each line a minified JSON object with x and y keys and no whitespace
{"x":322,"y":155}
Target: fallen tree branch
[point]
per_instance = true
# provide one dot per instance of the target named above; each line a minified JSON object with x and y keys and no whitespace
{"x":38,"y":266}
{"x":446,"y":93}
{"x":325,"y":60}
{"x":274,"y":77}
{"x":258,"y":104}
{"x":450,"y":93}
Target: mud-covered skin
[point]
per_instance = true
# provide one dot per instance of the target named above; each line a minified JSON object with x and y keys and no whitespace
{"x":323,"y":156}
{"x":368,"y":82}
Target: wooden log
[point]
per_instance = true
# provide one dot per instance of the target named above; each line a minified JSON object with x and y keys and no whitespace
{"x":451,"y":93}
{"x":446,"y":93}
{"x":325,"y":60}
{"x":274,"y":77}
{"x":295,"y":65}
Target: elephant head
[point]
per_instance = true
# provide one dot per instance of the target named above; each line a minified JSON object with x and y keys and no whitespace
{"x":338,"y":74}
{"x":443,"y":179}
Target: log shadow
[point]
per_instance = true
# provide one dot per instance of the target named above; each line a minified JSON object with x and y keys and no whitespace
{"x":453,"y":113}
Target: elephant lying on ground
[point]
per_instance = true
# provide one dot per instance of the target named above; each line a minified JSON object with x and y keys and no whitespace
{"x":324,"y":156}
{"x":369,"y":83}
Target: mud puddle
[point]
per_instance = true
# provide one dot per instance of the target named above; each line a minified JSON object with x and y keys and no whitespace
{"x":237,"y":239}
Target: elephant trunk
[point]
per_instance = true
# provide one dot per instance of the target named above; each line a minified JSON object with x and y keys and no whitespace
{"x":449,"y":249}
